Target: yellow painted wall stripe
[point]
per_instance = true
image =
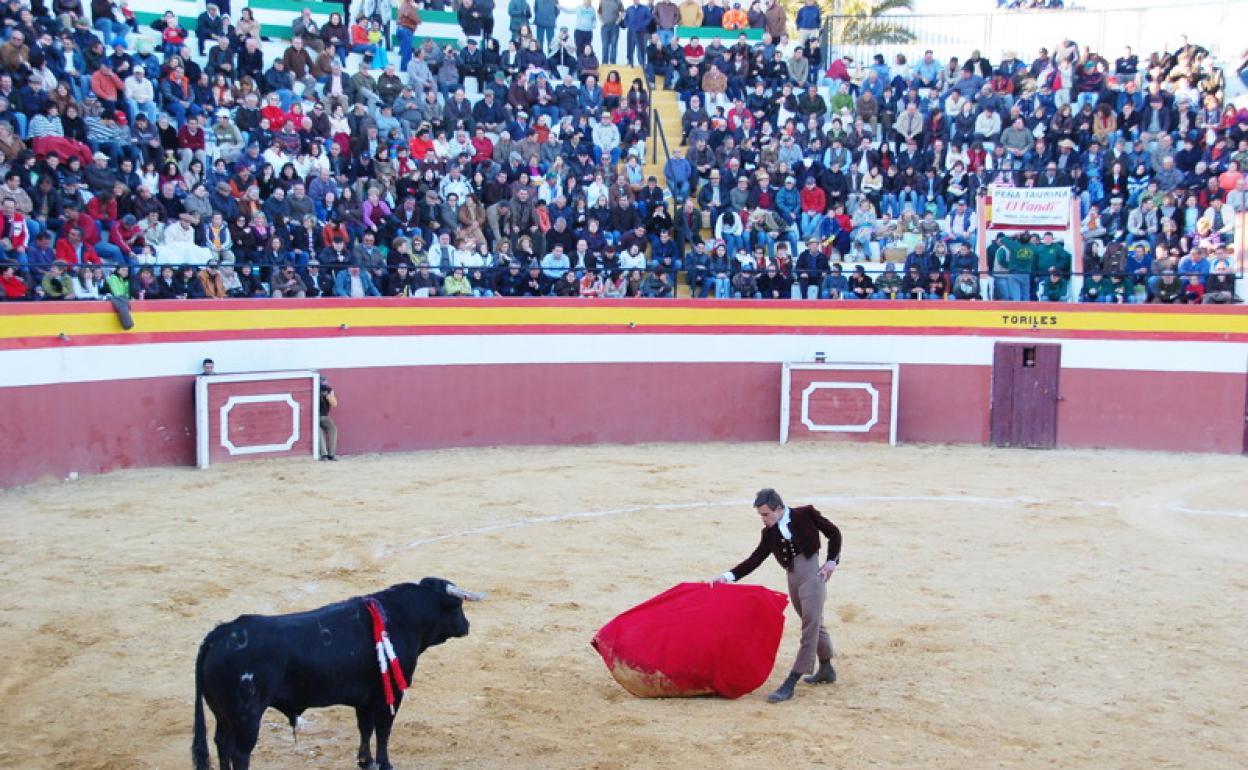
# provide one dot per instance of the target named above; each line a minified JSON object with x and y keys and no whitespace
{"x":430,"y":315}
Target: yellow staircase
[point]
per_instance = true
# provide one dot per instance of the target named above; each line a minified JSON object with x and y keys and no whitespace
{"x":666,"y":108}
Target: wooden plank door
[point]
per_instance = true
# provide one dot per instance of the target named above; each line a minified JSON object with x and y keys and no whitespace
{"x":1025,"y":380}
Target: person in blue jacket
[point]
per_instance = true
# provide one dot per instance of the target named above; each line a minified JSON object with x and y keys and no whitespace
{"x":637,"y":21}
{"x":808,"y":21}
{"x":354,"y":282}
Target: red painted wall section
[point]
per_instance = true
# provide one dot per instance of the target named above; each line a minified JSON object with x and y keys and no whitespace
{"x":942,"y":404}
{"x":51,"y":430}
{"x":95,"y":427}
{"x":406,"y":408}
{"x":1165,"y":411}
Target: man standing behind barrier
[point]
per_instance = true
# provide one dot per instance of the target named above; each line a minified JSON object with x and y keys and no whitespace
{"x":637,"y":21}
{"x":792,"y":536}
{"x":609,"y":15}
{"x":329,"y":430}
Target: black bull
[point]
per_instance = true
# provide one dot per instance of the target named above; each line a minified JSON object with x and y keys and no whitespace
{"x":323,"y":657}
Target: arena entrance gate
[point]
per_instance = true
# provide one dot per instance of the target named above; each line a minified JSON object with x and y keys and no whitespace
{"x":838,"y":402}
{"x":1025,"y":395}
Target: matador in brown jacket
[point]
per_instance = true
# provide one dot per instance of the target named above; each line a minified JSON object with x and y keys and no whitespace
{"x":792,"y":536}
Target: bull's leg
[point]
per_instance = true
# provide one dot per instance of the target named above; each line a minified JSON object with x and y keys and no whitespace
{"x":384,"y":720}
{"x":245,"y":740}
{"x":364,"y":719}
{"x":224,"y":739}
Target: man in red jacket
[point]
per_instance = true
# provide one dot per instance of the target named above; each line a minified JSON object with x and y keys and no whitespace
{"x":72,"y":250}
{"x":792,"y":536}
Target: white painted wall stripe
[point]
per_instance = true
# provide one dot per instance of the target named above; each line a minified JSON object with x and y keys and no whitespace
{"x":120,"y":362}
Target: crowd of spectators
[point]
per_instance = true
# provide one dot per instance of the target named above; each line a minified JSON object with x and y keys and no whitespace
{"x":166,"y":163}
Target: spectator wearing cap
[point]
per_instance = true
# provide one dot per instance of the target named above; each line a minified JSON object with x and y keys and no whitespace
{"x":513,"y":280}
{"x":489,"y":115}
{"x":317,"y":283}
{"x":140,"y":95}
{"x":834,"y":284}
{"x":211,"y":281}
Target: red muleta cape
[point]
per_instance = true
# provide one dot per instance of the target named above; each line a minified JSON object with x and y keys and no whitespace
{"x":695,"y":639}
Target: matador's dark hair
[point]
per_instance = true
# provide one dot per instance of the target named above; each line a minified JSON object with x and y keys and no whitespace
{"x":768,"y":497}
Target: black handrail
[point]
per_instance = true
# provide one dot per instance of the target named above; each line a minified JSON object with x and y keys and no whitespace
{"x":825,"y":44}
{"x":657,"y":129}
{"x":656,"y":126}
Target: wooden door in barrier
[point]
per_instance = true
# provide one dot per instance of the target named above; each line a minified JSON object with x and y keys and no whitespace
{"x":1025,"y":395}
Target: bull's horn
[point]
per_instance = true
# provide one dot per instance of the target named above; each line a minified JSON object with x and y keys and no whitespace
{"x":468,"y":596}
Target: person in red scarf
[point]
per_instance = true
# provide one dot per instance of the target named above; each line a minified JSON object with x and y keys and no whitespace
{"x":175,"y":91}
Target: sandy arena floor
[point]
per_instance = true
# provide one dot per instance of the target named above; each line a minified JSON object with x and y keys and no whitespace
{"x":994,"y":608}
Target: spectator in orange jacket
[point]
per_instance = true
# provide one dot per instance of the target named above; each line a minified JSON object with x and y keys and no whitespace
{"x":106,"y":85}
{"x":736,"y":18}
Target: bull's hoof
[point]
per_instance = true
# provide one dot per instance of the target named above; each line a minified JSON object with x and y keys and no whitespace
{"x":366,"y":763}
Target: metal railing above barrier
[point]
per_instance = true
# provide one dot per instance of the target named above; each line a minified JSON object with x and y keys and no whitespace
{"x":1214,"y":25}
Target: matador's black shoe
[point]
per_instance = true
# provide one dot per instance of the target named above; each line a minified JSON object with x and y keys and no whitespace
{"x":785,"y":691}
{"x":825,"y":674}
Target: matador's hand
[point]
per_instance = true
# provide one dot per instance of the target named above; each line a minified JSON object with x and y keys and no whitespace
{"x":826,"y":571}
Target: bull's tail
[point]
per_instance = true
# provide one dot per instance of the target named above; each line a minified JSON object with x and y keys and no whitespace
{"x":199,"y":743}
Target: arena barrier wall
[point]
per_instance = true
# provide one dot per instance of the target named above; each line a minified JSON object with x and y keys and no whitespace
{"x":78,"y":394}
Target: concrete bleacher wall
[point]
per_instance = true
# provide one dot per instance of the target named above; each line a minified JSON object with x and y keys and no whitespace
{"x":80,"y":395}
